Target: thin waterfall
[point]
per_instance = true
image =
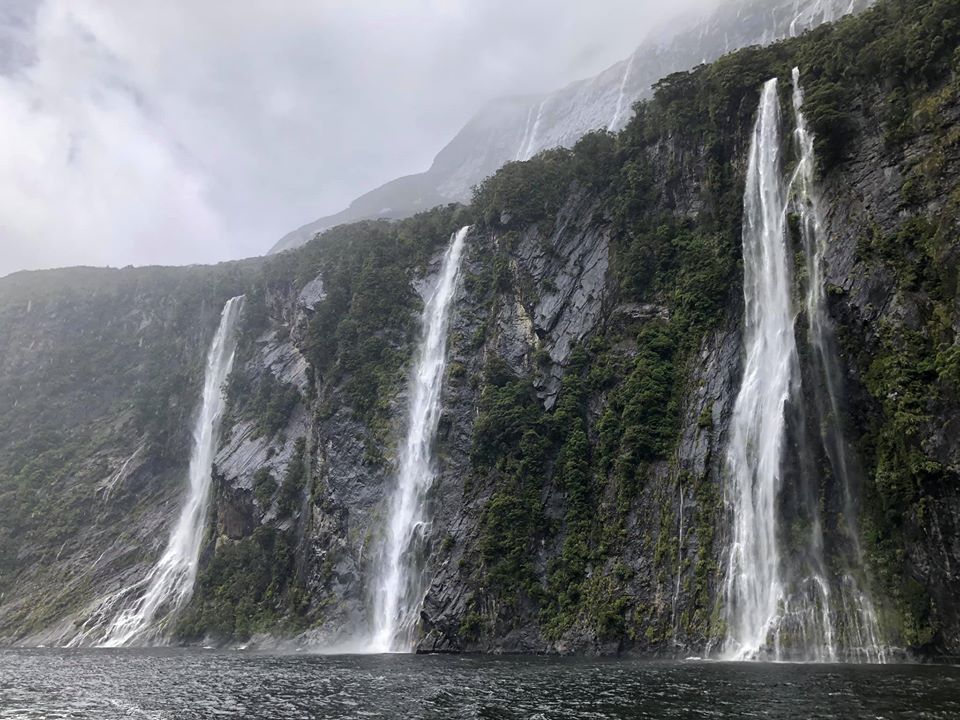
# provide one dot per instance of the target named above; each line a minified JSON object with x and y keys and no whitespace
{"x":820,"y":335}
{"x":754,"y":584}
{"x":620,"y":96}
{"x":863,"y":633}
{"x":169,"y":584}
{"x":532,"y":140}
{"x":676,"y":590}
{"x":526,"y":136}
{"x":399,"y":588}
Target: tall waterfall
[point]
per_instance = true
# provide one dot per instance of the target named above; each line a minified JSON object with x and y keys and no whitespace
{"x":755,"y":588}
{"x":169,"y":584}
{"x":399,"y":589}
{"x":784,"y":600}
{"x":861,"y":629}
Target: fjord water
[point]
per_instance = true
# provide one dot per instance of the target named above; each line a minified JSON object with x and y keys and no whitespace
{"x":399,"y":587}
{"x":136,"y":614}
{"x":169,"y":684}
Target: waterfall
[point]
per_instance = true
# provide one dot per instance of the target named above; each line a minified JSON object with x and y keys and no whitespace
{"x":531,"y":145}
{"x":783,"y":600}
{"x":526,"y":136}
{"x":820,"y":334}
{"x":858,"y":613}
{"x":169,"y":584}
{"x":620,"y":96}
{"x":676,"y":590}
{"x":754,"y":586}
{"x":399,"y":588}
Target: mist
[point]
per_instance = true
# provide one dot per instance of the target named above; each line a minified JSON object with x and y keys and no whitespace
{"x":181,"y":132}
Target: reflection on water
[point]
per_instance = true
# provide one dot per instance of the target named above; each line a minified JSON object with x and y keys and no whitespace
{"x":178,"y":684}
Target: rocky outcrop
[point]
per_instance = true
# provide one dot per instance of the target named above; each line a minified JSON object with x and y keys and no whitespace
{"x":568,"y":270}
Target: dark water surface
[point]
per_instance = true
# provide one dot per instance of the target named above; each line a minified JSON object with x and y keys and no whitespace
{"x":178,"y":684}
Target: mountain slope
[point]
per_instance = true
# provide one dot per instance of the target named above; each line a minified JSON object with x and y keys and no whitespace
{"x":594,"y":355}
{"x":510,"y":129}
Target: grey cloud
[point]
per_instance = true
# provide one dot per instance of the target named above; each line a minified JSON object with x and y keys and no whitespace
{"x":140,"y":132}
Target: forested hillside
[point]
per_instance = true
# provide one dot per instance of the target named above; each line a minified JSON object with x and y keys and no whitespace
{"x":593,"y":360}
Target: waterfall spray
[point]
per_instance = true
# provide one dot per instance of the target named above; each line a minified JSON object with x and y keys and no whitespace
{"x":399,"y":588}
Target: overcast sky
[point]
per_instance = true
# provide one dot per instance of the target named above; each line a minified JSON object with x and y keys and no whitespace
{"x":181,"y":131}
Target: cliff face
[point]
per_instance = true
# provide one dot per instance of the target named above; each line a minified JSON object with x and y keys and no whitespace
{"x":892,"y":279}
{"x":593,"y":361}
{"x":99,"y":376}
{"x":510,"y":129}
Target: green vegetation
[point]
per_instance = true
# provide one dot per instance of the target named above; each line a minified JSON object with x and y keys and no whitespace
{"x":294,"y":481}
{"x":684,"y":150}
{"x":264,"y":486}
{"x":265,"y":400}
{"x":249,"y":586}
{"x":911,"y":373}
{"x":509,"y":441}
{"x":99,"y":364}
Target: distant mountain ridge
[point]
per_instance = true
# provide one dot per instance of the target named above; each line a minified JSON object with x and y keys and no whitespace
{"x":517,"y":128}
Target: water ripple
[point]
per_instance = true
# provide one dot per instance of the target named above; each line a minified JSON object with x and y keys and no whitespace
{"x":191,"y":684}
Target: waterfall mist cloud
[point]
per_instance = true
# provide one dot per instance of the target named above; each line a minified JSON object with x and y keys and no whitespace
{"x":135,"y":132}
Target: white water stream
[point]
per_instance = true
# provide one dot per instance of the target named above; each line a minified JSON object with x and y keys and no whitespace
{"x":618,"y":111}
{"x":754,"y":588}
{"x":398,"y":590}
{"x":531,"y":143}
{"x":782,"y":602}
{"x":863,"y":632}
{"x":168,"y":586}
